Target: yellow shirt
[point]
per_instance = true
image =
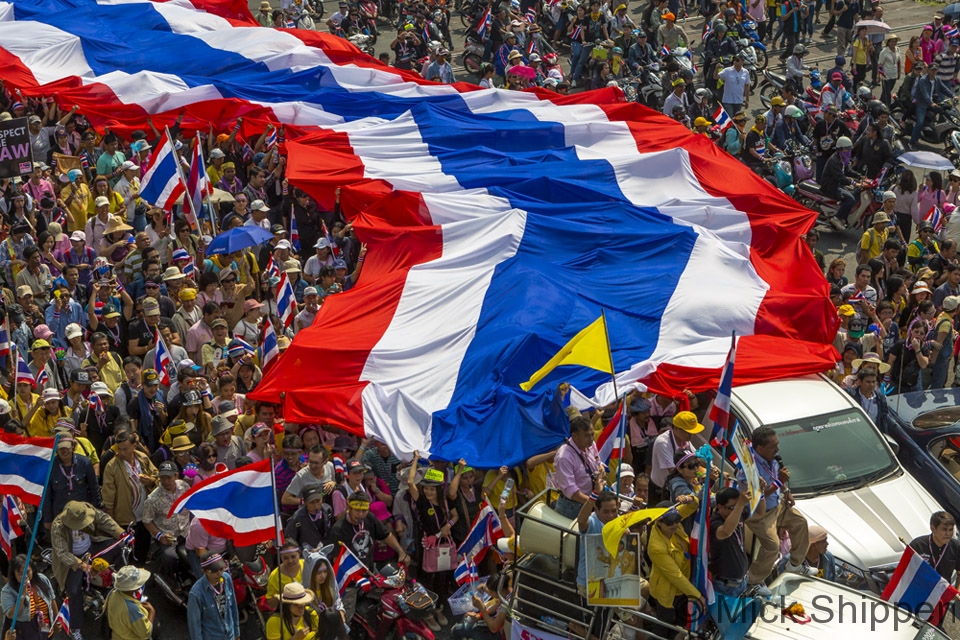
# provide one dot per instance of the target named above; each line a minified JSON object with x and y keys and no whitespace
{"x":278,"y":581}
{"x":860,"y":51}
{"x":22,"y":409}
{"x":116,"y":206}
{"x":498,"y":489}
{"x":214,"y":175}
{"x":41,"y":426}
{"x":872,"y":242}
{"x":537,"y":479}
{"x":275,"y":630}
{"x":79,"y":206}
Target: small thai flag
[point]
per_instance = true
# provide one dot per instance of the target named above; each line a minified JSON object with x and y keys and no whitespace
{"x":664,"y":51}
{"x":720,"y":411}
{"x":269,"y":349}
{"x":917,"y":587}
{"x":97,"y":403}
{"x":10,"y":518}
{"x":43,"y":377}
{"x":707,"y":31}
{"x":722,"y":119}
{"x":426,"y":33}
{"x":190,"y":269}
{"x":532,"y":46}
{"x":338,"y":464}
{"x":63,"y":617}
{"x":857,"y":297}
{"x":294,"y":232}
{"x":272,"y":139}
{"x":881,"y":72}
{"x":23,"y":372}
{"x":466,"y":571}
{"x":85,"y":161}
{"x":333,"y":245}
{"x":347,"y":569}
{"x":161,"y":360}
{"x":246,"y":345}
{"x":934,"y":217}
{"x":286,"y":302}
{"x":484,"y":25}
{"x":576,"y":33}
{"x":4,"y":338}
{"x":531,"y":15}
{"x":950,"y":32}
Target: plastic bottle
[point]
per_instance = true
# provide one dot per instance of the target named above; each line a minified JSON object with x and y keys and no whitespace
{"x":507,"y":488}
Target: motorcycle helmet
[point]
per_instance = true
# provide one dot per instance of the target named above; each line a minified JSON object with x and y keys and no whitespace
{"x":843,"y":142}
{"x":678,"y":111}
{"x":793,"y":111}
{"x":617,"y":51}
{"x":393,"y":575}
{"x":730,"y":13}
{"x":799,"y":50}
{"x":687,"y":75}
{"x":703,"y":94}
{"x":721,"y":28}
{"x":875,"y":107}
{"x":839,"y":61}
{"x":864,"y":93}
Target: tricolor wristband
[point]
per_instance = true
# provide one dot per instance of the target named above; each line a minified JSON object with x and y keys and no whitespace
{"x":594,"y":497}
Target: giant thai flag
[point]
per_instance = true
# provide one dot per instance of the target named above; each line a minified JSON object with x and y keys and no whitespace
{"x":474,"y":274}
{"x":483,"y":534}
{"x":237,"y":505}
{"x":917,"y":587}
{"x":24,"y":465}
{"x":161,"y":183}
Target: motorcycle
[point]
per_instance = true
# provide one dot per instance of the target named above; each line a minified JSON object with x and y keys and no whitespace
{"x":953,"y":147}
{"x":937,"y":128}
{"x":760,"y":50}
{"x":363,"y":42}
{"x":811,"y":196}
{"x":369,"y":11}
{"x":650,"y":90}
{"x":250,"y":586}
{"x":394,"y":608}
{"x":472,"y":56}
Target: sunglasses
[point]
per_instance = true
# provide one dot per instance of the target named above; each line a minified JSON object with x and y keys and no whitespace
{"x":690,"y":466}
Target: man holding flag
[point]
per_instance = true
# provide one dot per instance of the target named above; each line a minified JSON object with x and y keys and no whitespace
{"x":357,"y":530}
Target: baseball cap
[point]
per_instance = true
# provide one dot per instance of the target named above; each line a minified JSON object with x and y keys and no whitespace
{"x":73,"y":330}
{"x":109,"y":311}
{"x":310,"y":291}
{"x":80,"y":376}
{"x":687,"y":421}
{"x":78,"y":236}
{"x":101,"y":201}
{"x":339,"y":263}
{"x":150,"y":376}
{"x":353,"y":465}
{"x":284,"y":244}
{"x":168,"y":468}
{"x":24,"y":290}
{"x":220,"y":322}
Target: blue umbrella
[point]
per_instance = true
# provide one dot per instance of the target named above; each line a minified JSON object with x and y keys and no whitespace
{"x":951,"y":10}
{"x":236,"y":239}
{"x":925,"y":160}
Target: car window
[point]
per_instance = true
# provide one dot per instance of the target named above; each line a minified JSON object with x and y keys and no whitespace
{"x":946,"y":451}
{"x":827,"y":449}
{"x":939,"y":418}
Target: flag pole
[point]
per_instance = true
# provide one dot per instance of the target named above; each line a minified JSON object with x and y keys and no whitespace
{"x":38,"y":522}
{"x":616,"y":393}
{"x":276,"y":526}
{"x":13,"y":370}
{"x":727,"y":431}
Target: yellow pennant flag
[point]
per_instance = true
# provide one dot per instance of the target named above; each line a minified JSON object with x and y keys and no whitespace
{"x":614,"y":530}
{"x":588,"y":348}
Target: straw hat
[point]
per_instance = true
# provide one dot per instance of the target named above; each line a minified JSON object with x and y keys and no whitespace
{"x":116,"y":224}
{"x":130,"y":578}
{"x":294,"y":593}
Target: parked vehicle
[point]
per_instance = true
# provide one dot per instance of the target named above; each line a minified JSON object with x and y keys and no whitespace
{"x":394,"y":608}
{"x":844,"y":474}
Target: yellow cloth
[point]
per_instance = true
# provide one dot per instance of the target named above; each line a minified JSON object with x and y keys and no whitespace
{"x":79,"y":206}
{"x":278,"y":581}
{"x":116,"y":206}
{"x":23,"y":409}
{"x":872,"y":242}
{"x":127,"y":618}
{"x":588,"y":348}
{"x":275,"y":630}
{"x":85,"y":447}
{"x":670,"y":562}
{"x":537,"y":479}
{"x":614,"y":530}
{"x":42,"y":423}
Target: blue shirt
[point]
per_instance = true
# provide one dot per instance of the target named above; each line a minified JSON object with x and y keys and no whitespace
{"x":58,"y":321}
{"x":770,"y":472}
{"x":203,"y":617}
{"x":593,"y":526}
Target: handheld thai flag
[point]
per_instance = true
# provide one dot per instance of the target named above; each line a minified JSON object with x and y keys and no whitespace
{"x":272,"y":139}
{"x":699,"y":548}
{"x":286,"y":301}
{"x":198,"y":187}
{"x":532,"y":45}
{"x":720,"y":411}
{"x":161,"y":360}
{"x":722,"y":119}
{"x":96,"y":402}
{"x":664,"y":51}
{"x":576,"y":33}
{"x":10,"y":529}
{"x":269,"y":349}
{"x":484,"y":25}
{"x":531,"y":15}
{"x":329,"y":236}
{"x":190,"y":269}
{"x":466,"y":571}
{"x":23,"y":372}
{"x":4,"y":338}
{"x":339,"y":466}
{"x":24,"y":465}
{"x":271,"y":270}
{"x":612,"y":439}
{"x":950,"y":32}
{"x":347,"y":568}
{"x":63,"y":617}
{"x":935,"y":217}
{"x":162,"y":184}
{"x":918,"y":588}
{"x":294,"y":232}
{"x":707,"y":30}
{"x":42,"y":378}
{"x":483,"y":534}
{"x":237,"y":505}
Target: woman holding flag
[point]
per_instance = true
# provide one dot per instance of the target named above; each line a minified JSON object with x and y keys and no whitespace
{"x":669,"y":551}
{"x":38,"y":608}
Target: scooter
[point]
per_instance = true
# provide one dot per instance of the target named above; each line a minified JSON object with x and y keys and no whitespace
{"x":394,"y":608}
{"x":760,"y":50}
{"x":369,"y":11}
{"x":938,"y":126}
{"x":472,"y":56}
{"x":250,"y":587}
{"x":363,"y":42}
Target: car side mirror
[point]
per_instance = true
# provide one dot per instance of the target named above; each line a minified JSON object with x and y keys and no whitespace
{"x":893,"y":443}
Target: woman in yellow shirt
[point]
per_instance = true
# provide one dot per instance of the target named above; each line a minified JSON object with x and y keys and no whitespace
{"x":290,"y":570}
{"x":101,"y":187}
{"x":296,"y":619}
{"x":45,"y":419}
{"x":669,"y":551}
{"x":862,"y":50}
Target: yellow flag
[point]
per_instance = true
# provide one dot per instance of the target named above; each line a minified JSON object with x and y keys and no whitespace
{"x":587,"y":349}
{"x":614,"y":530}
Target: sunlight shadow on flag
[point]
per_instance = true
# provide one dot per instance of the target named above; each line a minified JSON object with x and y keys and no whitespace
{"x":734,"y":616}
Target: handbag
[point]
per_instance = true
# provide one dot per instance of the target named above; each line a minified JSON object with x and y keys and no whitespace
{"x":438,"y":554}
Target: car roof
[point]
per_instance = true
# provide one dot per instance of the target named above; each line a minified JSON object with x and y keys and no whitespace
{"x":779,"y":401}
{"x":922,"y":410}
{"x":829,"y":619}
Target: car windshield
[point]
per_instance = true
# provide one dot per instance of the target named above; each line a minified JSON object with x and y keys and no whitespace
{"x":825,"y":450}
{"x":937,"y":419}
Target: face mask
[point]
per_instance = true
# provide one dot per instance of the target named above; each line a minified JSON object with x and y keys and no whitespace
{"x":845,"y":156}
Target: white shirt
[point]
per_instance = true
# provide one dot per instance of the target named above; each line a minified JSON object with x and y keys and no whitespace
{"x":734,"y":84}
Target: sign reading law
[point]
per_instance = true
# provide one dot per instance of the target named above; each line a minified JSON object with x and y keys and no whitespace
{"x":16,"y":154}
